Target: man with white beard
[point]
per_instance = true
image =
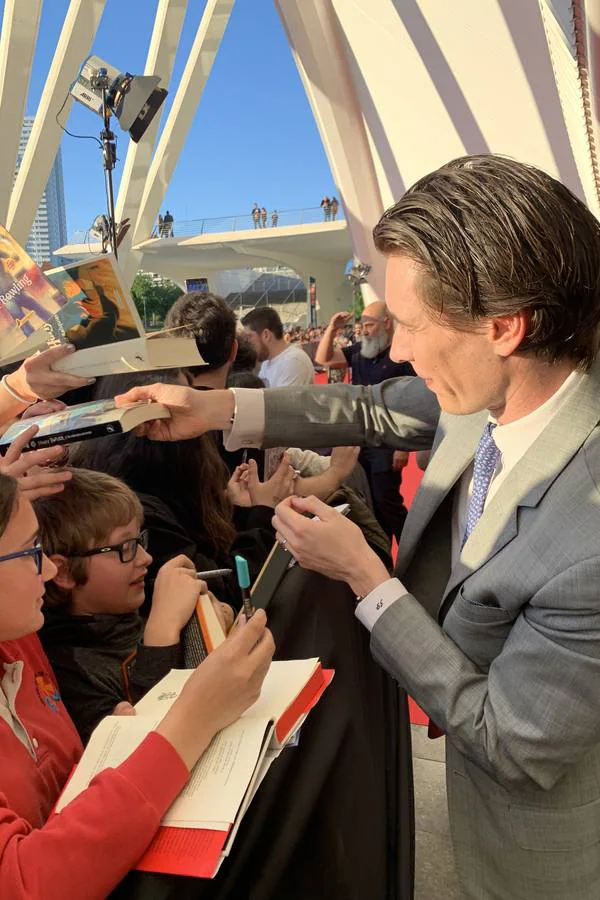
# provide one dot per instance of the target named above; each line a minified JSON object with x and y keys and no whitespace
{"x":369,"y":362}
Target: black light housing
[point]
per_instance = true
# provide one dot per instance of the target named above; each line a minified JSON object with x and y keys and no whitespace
{"x":133,"y":99}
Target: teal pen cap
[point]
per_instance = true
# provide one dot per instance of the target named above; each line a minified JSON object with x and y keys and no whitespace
{"x":243,"y":575}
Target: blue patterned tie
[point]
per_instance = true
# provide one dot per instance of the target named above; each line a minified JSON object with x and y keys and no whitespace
{"x":486,"y":460}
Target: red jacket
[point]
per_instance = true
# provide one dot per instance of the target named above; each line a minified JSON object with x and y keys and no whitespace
{"x":86,"y":850}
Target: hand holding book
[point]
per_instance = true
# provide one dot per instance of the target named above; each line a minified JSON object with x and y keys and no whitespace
{"x":220,"y":689}
{"x":31,"y":469}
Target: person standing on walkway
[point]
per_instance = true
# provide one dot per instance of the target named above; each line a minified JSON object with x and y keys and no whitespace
{"x":334,"y":207}
{"x":274,"y":218}
{"x":326,"y":207}
{"x":263,"y":217}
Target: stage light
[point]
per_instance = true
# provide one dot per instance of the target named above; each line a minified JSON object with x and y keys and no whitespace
{"x":133,"y":99}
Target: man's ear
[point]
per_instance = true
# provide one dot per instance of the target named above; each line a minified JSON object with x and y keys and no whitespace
{"x":63,"y":578}
{"x":266,"y":336}
{"x":508,"y":332}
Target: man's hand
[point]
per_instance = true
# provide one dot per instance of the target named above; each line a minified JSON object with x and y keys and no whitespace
{"x":338,"y":320}
{"x":400,"y":460}
{"x":36,"y":379}
{"x":343,"y":461}
{"x":43,"y":408}
{"x":176,"y":592}
{"x":192,"y":412}
{"x":246,"y":489}
{"x":279,"y":486}
{"x":331,"y":544}
{"x":30,"y":469}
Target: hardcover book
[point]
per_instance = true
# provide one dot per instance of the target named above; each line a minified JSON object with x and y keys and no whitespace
{"x":101,"y":320}
{"x":28,"y":299}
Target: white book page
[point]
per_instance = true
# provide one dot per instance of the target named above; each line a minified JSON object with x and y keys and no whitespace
{"x":284,"y":681}
{"x":221,"y":777}
{"x":217,"y":784}
{"x":162,"y":696}
{"x":115,"y":738}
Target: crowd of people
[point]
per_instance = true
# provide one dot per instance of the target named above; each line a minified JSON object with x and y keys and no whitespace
{"x":489,"y":619}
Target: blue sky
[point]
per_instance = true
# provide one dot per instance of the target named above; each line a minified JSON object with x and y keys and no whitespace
{"x":253,"y":139}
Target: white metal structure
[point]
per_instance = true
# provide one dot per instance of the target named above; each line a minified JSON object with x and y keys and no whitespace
{"x":397,"y":87}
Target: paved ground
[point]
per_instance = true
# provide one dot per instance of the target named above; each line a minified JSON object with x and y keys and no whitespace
{"x":435,"y":874}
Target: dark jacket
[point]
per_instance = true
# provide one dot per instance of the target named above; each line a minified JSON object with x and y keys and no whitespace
{"x":171,"y":530}
{"x":100,"y":661}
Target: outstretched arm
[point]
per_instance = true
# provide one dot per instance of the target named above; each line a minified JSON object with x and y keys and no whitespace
{"x":400,"y":413}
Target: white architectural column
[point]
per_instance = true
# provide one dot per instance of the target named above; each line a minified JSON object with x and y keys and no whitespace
{"x":20,"y":25}
{"x":74,"y":45}
{"x":160,"y":60}
{"x":196,"y":72}
{"x":318,"y":46}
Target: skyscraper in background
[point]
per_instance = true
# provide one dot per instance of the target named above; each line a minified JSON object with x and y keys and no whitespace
{"x":49,"y":229}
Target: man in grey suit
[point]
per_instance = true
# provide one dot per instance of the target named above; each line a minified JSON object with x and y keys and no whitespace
{"x":492,"y":622}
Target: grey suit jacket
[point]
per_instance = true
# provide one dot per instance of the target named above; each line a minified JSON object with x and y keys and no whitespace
{"x":503,"y":650}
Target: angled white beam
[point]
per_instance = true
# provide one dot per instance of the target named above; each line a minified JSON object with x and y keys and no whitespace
{"x":20,"y":25}
{"x":317,"y":43}
{"x":160,"y":60}
{"x":196,"y":72}
{"x":74,"y":45}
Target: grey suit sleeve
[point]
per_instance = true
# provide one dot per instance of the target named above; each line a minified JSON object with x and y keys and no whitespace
{"x":536,"y":711}
{"x":401,"y":413}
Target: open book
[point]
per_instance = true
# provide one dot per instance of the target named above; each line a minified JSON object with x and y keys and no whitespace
{"x":198,"y":829}
{"x":83,"y":421}
{"x":102,"y":321}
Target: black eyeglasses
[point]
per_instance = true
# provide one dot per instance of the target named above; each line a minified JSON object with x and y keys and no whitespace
{"x":127,"y":549}
{"x":37,"y":552}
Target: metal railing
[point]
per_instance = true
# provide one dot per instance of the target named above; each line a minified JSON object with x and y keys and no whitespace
{"x":225,"y":224}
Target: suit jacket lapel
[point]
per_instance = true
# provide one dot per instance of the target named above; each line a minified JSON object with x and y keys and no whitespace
{"x":531,"y":477}
{"x":456,"y":442}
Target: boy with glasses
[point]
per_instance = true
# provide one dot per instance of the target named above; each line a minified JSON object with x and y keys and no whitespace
{"x":104,"y":655}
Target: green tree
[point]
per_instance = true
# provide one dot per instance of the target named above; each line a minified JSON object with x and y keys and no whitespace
{"x":358,"y":303}
{"x":153,"y":299}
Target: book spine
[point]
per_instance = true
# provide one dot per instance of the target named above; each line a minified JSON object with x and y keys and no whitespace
{"x":40,"y":442}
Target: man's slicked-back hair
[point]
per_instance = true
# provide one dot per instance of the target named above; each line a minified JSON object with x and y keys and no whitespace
{"x":494,"y":237}
{"x":262,"y":317}
{"x":207,"y":318}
